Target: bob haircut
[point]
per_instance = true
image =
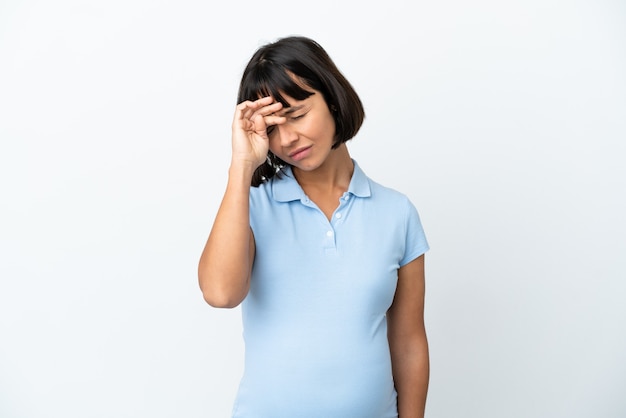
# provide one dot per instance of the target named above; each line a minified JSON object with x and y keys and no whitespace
{"x":288,"y":66}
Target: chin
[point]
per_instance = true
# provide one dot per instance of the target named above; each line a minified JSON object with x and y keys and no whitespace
{"x":306,"y":166}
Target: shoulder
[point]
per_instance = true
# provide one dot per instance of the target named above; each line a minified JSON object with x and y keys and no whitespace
{"x":363,"y":186}
{"x":400,"y":212}
{"x":280,"y":189}
{"x":392,"y":205}
{"x":390,"y":197}
{"x":378,"y":190}
{"x":263,"y":189}
{"x":273,"y":206}
{"x":261,"y":197}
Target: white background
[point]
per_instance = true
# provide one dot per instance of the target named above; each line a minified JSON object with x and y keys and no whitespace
{"x":504,"y":122}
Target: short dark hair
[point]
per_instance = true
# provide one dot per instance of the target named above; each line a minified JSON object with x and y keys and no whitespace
{"x":270,"y":71}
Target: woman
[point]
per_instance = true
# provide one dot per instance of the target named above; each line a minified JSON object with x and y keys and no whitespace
{"x":328,"y":265}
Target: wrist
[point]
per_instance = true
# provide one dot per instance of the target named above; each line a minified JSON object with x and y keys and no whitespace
{"x":241,"y":170}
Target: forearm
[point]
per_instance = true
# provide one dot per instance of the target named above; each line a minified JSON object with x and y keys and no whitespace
{"x":225,"y":264}
{"x":411,"y":372}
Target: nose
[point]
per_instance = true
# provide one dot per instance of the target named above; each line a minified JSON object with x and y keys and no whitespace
{"x":287,"y":135}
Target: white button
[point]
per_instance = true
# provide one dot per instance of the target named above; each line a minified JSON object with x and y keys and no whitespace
{"x":338,"y":216}
{"x":347,"y":197}
{"x":329,"y":234}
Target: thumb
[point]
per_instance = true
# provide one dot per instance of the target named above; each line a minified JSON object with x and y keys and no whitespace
{"x":260,"y":126}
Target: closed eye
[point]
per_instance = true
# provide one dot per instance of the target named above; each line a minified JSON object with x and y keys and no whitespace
{"x":298,"y":117}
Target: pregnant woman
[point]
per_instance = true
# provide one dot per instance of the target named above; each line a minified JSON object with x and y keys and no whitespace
{"x":327,"y":264}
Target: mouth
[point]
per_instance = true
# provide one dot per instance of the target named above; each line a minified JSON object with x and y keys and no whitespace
{"x":300,"y":153}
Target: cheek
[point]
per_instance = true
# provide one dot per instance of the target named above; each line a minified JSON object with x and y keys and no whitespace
{"x":322,"y":129}
{"x":327,"y":129}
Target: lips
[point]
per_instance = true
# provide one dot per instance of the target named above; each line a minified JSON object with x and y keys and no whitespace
{"x":300,"y":153}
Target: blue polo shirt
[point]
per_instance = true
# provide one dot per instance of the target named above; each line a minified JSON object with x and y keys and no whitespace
{"x":314,"y":321}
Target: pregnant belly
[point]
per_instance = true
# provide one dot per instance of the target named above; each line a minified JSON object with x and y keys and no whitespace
{"x":352,"y":385}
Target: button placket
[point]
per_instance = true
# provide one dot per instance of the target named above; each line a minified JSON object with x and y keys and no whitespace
{"x":329,"y":239}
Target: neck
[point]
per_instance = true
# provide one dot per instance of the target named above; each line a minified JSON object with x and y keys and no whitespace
{"x":335,"y":172}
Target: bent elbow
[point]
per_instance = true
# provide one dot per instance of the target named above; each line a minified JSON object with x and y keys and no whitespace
{"x":221,"y":300}
{"x":219,"y":294}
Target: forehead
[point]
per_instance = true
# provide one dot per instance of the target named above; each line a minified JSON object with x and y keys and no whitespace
{"x":291,"y":104}
{"x":284,"y":86}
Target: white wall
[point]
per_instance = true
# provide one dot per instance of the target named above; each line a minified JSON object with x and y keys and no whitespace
{"x":505,"y":123}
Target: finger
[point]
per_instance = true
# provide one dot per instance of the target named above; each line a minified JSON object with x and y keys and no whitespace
{"x":246,"y":109}
{"x":242,"y":111}
{"x":255,"y":104}
{"x":258,"y":124}
{"x":272,"y":120}
{"x":267,"y":110}
{"x":263,"y":101}
{"x":262,"y":123}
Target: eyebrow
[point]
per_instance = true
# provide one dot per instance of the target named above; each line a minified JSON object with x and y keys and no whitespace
{"x":291,"y":110}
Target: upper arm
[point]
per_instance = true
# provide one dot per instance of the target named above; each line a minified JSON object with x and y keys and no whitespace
{"x":408,"y":344}
{"x":406,"y":314}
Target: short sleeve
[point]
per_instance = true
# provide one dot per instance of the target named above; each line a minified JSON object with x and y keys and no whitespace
{"x":415,"y":238}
